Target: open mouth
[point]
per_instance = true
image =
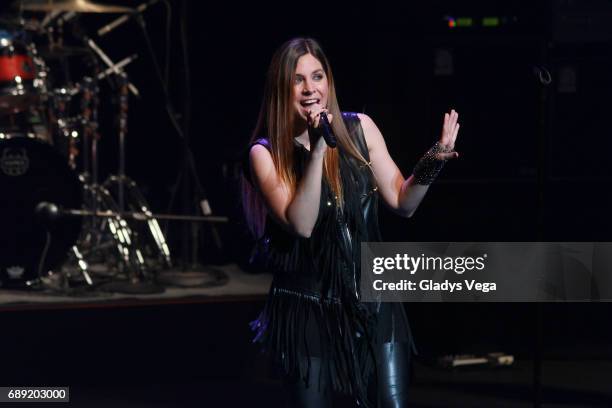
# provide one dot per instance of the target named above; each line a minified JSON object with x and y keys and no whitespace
{"x":309,"y":102}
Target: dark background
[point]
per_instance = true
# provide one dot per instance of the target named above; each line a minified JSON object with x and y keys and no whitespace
{"x":535,"y":159}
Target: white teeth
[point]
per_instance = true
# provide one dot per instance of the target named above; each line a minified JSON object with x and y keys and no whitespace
{"x":309,"y":101}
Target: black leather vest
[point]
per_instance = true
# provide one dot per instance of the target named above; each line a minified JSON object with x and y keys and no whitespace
{"x":328,"y":263}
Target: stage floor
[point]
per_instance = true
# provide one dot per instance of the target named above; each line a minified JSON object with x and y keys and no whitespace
{"x":192,"y":347}
{"x":223,"y":283}
{"x":567,"y":384}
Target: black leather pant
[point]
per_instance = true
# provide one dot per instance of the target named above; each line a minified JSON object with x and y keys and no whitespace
{"x":393,"y":379}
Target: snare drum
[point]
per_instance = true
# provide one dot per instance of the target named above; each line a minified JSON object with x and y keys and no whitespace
{"x":32,"y":171}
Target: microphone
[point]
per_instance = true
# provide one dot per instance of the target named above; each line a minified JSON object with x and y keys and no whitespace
{"x":326,"y":130}
{"x":121,"y":20}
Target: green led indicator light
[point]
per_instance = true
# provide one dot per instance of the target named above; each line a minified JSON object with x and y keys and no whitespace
{"x":490,"y":22}
{"x":464,"y":22}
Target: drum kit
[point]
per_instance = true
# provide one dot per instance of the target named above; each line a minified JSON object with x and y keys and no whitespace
{"x":49,"y":134}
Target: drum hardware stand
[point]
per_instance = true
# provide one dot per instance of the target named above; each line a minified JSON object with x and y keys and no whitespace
{"x":137,"y":202}
{"x":187,"y":172}
{"x":132,"y":215}
{"x":68,"y":128}
{"x":123,"y":117}
{"x":50,"y":16}
{"x":114,"y":218}
{"x":65,"y":127}
{"x":119,"y":65}
{"x":89,"y":124}
{"x":39,"y":282}
{"x":121,"y":236}
{"x":110,"y":232}
{"x":115,"y":230}
{"x":125,"y":184}
{"x":118,"y":231}
{"x":111,"y":65}
{"x":56,"y":37}
{"x":68,"y":133}
{"x":65,"y":277}
{"x":121,"y":181}
{"x":82,"y":264}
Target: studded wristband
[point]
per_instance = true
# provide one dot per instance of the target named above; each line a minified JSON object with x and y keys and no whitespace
{"x":428,"y":167}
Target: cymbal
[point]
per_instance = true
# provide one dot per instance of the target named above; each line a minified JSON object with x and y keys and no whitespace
{"x":78,"y":6}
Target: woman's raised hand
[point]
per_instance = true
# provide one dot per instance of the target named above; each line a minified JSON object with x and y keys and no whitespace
{"x":317,"y":143}
{"x":450,"y":129}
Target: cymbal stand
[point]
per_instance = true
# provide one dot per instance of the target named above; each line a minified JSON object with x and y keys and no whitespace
{"x":126,"y":188}
{"x":62,"y":127}
{"x":121,"y":180}
{"x":112,"y":232}
{"x":123,"y":115}
{"x":67,"y":129}
{"x":89,"y":122}
{"x":110,"y":64}
{"x":67,"y":134}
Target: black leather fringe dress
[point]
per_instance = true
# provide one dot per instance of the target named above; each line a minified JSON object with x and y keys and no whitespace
{"x":313,"y":308}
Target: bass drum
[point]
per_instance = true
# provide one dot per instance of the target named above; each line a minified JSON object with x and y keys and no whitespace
{"x":32,"y":171}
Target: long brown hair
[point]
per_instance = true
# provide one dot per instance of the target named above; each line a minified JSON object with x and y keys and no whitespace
{"x":276,"y":122}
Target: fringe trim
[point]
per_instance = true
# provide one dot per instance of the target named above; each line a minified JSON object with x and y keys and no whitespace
{"x":346,"y":338}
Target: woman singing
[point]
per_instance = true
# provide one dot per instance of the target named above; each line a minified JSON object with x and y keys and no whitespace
{"x":311,"y":206}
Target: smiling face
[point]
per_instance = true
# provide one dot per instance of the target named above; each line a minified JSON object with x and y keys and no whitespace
{"x":310,"y":86}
